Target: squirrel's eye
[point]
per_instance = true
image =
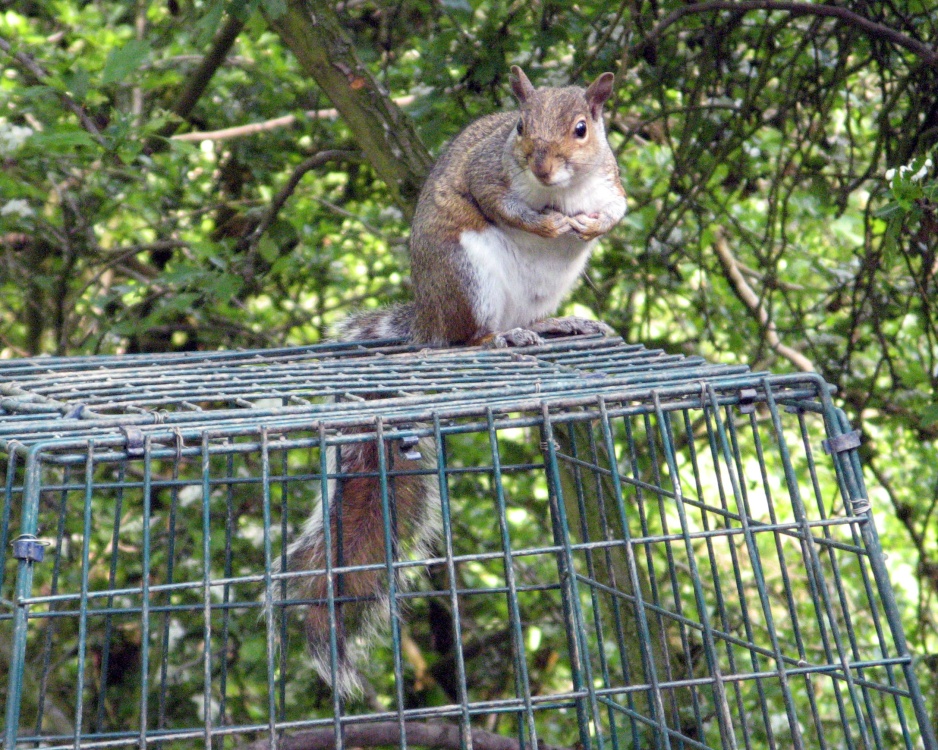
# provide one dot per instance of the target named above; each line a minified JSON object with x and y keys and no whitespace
{"x":580,"y":129}
{"x":520,"y":127}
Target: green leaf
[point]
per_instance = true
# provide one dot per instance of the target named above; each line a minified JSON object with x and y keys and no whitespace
{"x":226,"y":285}
{"x":274,"y":8}
{"x":77,"y":82}
{"x":59,"y":139}
{"x":930,"y":415}
{"x":209,"y":23}
{"x":123,"y":61}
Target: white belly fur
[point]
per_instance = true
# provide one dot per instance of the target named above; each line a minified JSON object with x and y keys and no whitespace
{"x":521,"y":277}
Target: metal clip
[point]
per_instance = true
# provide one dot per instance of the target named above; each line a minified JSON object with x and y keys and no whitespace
{"x":861,"y":506}
{"x":747,"y":400}
{"x":841,"y":443}
{"x":409,"y":448}
{"x":134,"y":438}
{"x":29,"y":548}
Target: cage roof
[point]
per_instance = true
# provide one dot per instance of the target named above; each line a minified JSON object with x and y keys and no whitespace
{"x":52,"y":398}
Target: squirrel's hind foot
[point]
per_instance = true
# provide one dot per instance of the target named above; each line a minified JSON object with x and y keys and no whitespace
{"x":514,"y":337}
{"x":571,"y":326}
{"x":551,"y":327}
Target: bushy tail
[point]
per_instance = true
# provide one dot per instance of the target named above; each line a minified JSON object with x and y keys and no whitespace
{"x":357,"y":530}
{"x":357,"y":538}
{"x":394,"y":322}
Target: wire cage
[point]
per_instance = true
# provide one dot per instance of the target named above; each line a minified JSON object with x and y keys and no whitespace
{"x":638,"y":550}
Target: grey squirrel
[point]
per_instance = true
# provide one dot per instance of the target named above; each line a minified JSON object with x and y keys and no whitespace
{"x":503,"y":228}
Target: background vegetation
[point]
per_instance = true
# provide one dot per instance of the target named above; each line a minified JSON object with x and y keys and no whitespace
{"x":196,"y":174}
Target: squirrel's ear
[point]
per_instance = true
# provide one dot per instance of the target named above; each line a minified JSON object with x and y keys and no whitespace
{"x":520,"y":84}
{"x":598,"y":92}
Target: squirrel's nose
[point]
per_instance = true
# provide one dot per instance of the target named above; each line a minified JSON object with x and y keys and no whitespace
{"x":542,"y":164}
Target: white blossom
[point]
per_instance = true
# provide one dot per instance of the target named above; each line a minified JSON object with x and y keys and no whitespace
{"x":922,"y":172}
{"x":908,"y":170}
{"x":12,"y":137}
{"x":17,"y":206}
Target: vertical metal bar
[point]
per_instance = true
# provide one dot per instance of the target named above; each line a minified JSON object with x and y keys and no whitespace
{"x":7,"y":509}
{"x":523,"y":683}
{"x":226,"y":593}
{"x":207,"y":589}
{"x":793,"y":616}
{"x":853,"y":506}
{"x":280,"y":587}
{"x":83,"y":600}
{"x":145,"y":592}
{"x":29,"y":523}
{"x":268,"y":593}
{"x":465,"y":729}
{"x":579,"y":651}
{"x":170,"y":569}
{"x":676,"y":588}
{"x":389,"y":554}
{"x":327,"y":541}
{"x":109,"y":617}
{"x":724,"y":720}
{"x":281,"y":595}
{"x":53,"y":624}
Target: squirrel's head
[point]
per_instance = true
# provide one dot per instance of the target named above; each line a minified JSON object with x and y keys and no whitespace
{"x":560,"y":134}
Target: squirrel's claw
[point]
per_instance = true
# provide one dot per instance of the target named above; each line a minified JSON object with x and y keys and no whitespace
{"x":515,"y":337}
{"x":572,"y":326}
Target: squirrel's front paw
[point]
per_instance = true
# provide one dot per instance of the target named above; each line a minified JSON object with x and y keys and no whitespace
{"x":572,"y":326}
{"x":588,"y":226}
{"x":515,"y":337}
{"x":554,"y":224}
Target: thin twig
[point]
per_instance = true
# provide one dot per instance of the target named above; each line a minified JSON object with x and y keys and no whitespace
{"x":249,"y":240}
{"x":240,"y":131}
{"x":392,"y":241}
{"x":751,"y":300}
{"x":878,"y":30}
{"x":435,"y":734}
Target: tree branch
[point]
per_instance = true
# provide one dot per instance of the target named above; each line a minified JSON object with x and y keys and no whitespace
{"x":39,"y":75}
{"x":277,"y":122}
{"x":199,"y":78}
{"x":249,"y":240}
{"x":435,"y":734}
{"x":385,"y":134}
{"x":878,"y":30}
{"x":751,"y":300}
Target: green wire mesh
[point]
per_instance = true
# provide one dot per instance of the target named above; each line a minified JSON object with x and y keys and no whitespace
{"x":638,"y":551}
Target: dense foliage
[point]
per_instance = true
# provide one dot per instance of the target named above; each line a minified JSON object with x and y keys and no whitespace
{"x":780,"y":165}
